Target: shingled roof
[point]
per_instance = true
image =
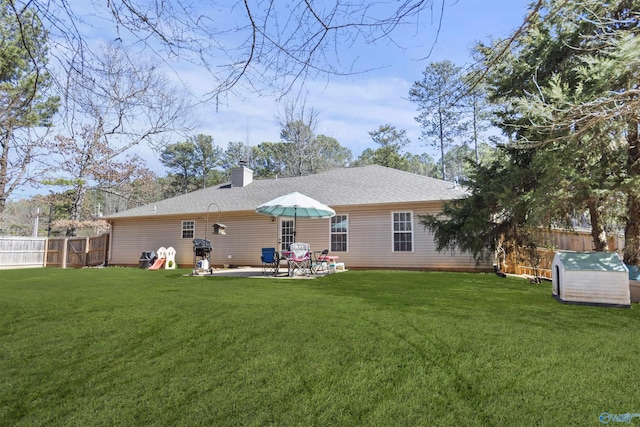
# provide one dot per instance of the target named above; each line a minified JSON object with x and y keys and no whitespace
{"x":365,"y":185}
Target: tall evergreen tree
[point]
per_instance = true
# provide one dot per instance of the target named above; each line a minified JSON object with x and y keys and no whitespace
{"x":192,"y":163}
{"x":476,"y":109}
{"x":568,"y":91}
{"x":24,"y":99}
{"x":575,"y":73}
{"x":391,"y":142}
{"x":438,"y":96}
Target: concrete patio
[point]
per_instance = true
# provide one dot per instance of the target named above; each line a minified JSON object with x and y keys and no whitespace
{"x":256,"y":273}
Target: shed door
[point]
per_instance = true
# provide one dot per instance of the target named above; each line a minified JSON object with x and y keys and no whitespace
{"x":558,"y":279}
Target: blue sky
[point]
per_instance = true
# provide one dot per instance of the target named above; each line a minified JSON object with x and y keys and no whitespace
{"x":350,"y":107}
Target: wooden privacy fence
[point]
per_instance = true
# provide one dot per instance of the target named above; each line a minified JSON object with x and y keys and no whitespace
{"x":67,"y":252}
{"x":538,"y":262}
{"x":56,"y":252}
{"x":575,"y":240}
{"x":74,"y":252}
{"x":77,"y":252}
{"x":97,"y":250}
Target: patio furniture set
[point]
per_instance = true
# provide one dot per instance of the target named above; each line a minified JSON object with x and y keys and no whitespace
{"x":299,"y":259}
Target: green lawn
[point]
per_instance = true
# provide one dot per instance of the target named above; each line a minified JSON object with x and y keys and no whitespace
{"x":120,"y":346}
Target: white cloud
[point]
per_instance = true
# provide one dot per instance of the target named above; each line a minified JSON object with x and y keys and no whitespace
{"x":347,"y":112}
{"x":351,"y":107}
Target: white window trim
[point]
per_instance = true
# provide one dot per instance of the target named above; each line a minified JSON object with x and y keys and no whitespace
{"x":393,"y":233}
{"x":347,"y":233}
{"x":182,"y":229}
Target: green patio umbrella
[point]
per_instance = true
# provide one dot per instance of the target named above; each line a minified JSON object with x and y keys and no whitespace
{"x":295,"y":205}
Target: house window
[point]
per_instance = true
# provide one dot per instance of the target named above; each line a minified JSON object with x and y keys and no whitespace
{"x":339,"y":229}
{"x":188,"y":229}
{"x":287,"y":236}
{"x":402,"y":232}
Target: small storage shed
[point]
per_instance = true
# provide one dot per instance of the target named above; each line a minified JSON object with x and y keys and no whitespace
{"x":598,"y":278}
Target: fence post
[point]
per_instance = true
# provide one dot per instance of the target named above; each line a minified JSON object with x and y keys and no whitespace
{"x":86,"y":252}
{"x":46,"y":251}
{"x":64,"y":253}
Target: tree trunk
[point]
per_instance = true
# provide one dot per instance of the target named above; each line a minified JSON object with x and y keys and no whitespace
{"x":441,"y":125}
{"x":632,"y":227}
{"x":475,"y":129}
{"x":632,"y":231}
{"x":598,"y":233}
{"x":4,"y":162}
{"x":76,"y":210}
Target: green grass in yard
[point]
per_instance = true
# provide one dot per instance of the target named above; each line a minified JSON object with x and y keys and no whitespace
{"x":121,"y":346}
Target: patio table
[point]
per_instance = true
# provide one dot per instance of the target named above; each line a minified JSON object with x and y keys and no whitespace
{"x":324,"y":259}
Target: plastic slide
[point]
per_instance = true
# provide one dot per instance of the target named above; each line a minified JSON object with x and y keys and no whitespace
{"x":156,"y":265}
{"x":171,"y":258}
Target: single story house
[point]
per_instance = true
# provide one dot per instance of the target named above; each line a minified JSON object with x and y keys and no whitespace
{"x":598,"y":278}
{"x":376,"y":223}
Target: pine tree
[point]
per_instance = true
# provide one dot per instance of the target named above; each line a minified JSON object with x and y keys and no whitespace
{"x":24,"y":101}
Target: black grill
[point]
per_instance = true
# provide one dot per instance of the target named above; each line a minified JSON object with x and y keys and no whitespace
{"x":146,"y":259}
{"x":202,"y":247}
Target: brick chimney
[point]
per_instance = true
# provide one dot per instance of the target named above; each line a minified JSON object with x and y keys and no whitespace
{"x":241,"y":175}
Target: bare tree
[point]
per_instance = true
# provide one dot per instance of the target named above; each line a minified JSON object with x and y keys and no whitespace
{"x":253,"y":43}
{"x":86,"y":163}
{"x":116,"y":106}
{"x":298,"y":126}
{"x":127,"y":101}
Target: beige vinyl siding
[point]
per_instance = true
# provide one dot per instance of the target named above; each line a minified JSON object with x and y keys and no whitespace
{"x":130,"y":237}
{"x":246,"y":233}
{"x":370,"y":239}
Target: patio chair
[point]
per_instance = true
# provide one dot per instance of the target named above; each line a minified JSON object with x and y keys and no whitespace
{"x":320,"y":261}
{"x":270,"y":261}
{"x":300,"y":259}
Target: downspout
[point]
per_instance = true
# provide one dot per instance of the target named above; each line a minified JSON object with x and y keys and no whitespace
{"x":108,"y":261}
